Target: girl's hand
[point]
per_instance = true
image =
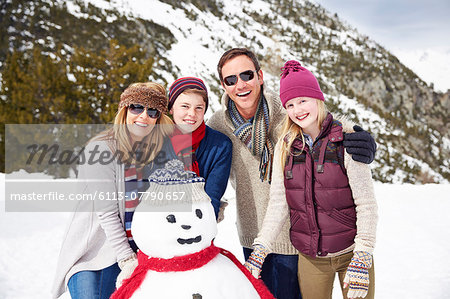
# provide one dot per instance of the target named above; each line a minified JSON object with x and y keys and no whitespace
{"x":357,"y":276}
{"x":256,"y":260}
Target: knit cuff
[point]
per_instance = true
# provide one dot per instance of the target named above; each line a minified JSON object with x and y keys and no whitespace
{"x":123,"y":262}
{"x":363,"y":257}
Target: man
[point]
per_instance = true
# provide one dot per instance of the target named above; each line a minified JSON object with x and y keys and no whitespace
{"x":251,"y":117}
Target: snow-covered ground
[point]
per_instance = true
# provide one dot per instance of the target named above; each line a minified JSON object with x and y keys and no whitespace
{"x":411,"y":257}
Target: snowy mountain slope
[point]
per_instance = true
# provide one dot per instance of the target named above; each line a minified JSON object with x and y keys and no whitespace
{"x":201,"y":41}
{"x":360,"y":78}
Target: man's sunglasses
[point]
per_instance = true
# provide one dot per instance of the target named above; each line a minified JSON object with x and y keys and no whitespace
{"x":245,"y":76}
{"x":138,"y":109}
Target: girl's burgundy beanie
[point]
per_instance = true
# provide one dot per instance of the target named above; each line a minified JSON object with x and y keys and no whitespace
{"x":296,"y":81}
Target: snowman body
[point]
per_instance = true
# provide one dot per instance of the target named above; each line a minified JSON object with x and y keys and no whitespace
{"x":181,"y":230}
{"x":220,"y":278}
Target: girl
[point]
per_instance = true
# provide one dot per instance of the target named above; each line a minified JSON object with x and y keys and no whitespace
{"x":98,"y":244}
{"x":329,"y":196}
{"x":202,"y":149}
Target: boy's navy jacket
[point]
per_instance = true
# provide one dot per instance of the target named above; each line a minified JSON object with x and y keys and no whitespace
{"x":214,"y":161}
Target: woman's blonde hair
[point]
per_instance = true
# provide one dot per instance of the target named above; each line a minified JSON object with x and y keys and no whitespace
{"x":150,"y":146}
{"x":290,"y":131}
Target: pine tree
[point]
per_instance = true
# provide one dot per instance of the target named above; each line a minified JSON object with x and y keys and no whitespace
{"x":80,"y":88}
{"x":101,"y":78}
{"x":35,"y":90}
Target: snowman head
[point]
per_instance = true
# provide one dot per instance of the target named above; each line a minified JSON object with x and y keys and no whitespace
{"x":169,"y":227}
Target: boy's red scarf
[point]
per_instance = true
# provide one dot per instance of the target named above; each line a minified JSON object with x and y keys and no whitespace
{"x":182,"y":263}
{"x":185,"y":146}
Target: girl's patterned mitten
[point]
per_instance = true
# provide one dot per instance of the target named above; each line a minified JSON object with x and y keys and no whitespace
{"x":357,"y":276}
{"x":256,"y":259}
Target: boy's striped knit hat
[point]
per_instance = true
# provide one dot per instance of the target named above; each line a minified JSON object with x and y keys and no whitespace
{"x":184,"y":83}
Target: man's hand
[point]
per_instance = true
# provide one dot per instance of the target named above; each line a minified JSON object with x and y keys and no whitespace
{"x":360,"y":145}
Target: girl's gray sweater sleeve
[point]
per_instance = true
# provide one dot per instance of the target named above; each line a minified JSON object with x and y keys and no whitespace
{"x":277,"y":210}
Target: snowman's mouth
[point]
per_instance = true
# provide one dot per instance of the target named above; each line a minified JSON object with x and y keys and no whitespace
{"x":190,"y":240}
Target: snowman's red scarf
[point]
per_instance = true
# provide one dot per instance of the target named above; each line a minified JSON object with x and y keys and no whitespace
{"x":181,"y":263}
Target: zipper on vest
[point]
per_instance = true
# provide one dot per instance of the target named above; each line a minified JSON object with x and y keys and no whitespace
{"x":323,"y":148}
{"x":288,"y":174}
{"x":313,"y":180}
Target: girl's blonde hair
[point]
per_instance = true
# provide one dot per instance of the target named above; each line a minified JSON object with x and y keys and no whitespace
{"x":150,"y":146}
{"x":290,"y":131}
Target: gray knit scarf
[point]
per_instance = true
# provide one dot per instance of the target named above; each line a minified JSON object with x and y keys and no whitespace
{"x":255,"y":135}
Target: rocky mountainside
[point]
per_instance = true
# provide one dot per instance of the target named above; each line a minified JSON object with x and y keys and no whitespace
{"x":361,"y":79}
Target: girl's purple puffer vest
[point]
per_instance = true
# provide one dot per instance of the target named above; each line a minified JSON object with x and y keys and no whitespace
{"x":322,"y":210}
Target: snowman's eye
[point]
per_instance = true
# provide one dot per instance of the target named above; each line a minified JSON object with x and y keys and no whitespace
{"x":199,"y":213}
{"x":171,"y":218}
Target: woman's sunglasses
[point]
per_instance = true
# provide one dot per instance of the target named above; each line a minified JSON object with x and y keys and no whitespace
{"x":138,"y":109}
{"x":245,"y":76}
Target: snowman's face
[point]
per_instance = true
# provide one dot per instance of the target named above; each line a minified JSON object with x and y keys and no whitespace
{"x":166,"y":234}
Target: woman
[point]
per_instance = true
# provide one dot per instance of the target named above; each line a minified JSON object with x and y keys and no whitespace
{"x":329,"y":197}
{"x":202,"y":149}
{"x":98,"y":244}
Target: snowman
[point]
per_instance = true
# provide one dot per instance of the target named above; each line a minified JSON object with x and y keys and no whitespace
{"x":174,"y":227}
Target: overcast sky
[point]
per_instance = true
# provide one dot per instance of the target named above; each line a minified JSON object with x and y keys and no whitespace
{"x":401,"y":23}
{"x":418,"y":32}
